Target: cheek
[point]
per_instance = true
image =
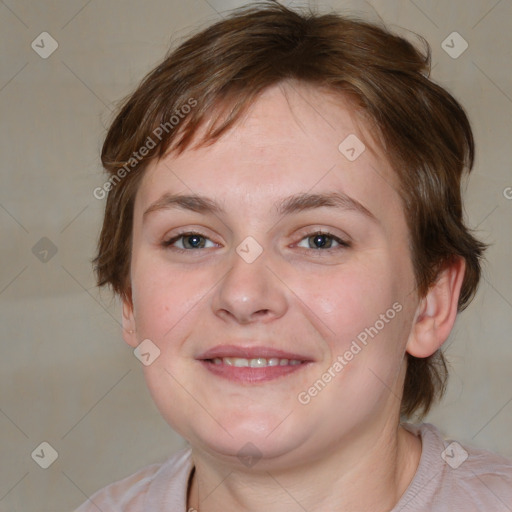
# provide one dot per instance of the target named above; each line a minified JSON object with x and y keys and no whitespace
{"x":363,"y":308}
{"x":349,"y":299}
{"x":164,"y":298}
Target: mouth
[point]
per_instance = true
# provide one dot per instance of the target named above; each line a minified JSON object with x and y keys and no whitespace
{"x":252,"y":365}
{"x":257,"y":362}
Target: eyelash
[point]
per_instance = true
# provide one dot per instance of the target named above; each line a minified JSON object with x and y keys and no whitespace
{"x":343,"y":244}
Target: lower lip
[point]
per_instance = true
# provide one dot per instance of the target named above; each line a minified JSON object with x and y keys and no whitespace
{"x":251,"y":375}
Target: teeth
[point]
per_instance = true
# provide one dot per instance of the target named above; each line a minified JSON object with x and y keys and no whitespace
{"x":259,"y":362}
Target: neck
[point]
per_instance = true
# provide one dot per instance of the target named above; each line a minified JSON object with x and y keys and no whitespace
{"x":370,"y":475}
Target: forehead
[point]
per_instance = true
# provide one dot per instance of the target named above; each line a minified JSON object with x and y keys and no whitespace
{"x":293,"y":139}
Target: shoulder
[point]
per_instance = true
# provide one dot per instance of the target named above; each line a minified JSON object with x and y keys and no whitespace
{"x":482,"y":476}
{"x":140,"y":490}
{"x":457,"y":476}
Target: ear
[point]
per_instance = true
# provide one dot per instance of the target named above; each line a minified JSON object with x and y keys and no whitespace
{"x":129,"y":327}
{"x":437,"y":311}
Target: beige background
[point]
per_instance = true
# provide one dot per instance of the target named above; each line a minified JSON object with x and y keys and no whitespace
{"x":66,"y":377}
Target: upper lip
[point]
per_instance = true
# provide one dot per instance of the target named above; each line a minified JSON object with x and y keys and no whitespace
{"x":252,"y":352}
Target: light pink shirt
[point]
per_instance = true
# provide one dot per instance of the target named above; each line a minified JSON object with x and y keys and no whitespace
{"x":450,"y":477}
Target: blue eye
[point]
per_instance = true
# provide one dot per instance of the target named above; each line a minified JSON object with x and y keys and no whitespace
{"x":188,"y":241}
{"x":323,"y":241}
{"x":318,"y":241}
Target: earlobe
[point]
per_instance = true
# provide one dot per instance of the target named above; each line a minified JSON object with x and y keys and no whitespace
{"x":129,"y":328}
{"x":437,"y":311}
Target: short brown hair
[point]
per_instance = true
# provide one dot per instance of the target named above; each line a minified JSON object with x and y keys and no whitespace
{"x":422,"y":128}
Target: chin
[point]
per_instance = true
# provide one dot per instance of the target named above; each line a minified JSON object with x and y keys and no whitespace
{"x":249,"y":442}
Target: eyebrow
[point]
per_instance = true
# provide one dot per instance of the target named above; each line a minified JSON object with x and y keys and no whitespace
{"x":286,"y":206}
{"x":195,"y":203}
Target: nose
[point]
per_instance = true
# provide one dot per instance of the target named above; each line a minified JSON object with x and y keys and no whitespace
{"x":250,"y":293}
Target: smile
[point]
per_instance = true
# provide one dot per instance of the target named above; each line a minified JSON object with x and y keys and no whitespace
{"x":244,"y":363}
{"x":258,"y":362}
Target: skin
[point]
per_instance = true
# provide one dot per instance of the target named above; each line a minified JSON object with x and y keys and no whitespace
{"x":345,"y":449}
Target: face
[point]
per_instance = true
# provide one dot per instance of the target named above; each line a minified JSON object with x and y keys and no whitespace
{"x":279,"y":291}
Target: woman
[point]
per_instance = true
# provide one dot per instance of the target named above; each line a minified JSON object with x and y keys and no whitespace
{"x":284,"y":228}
